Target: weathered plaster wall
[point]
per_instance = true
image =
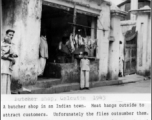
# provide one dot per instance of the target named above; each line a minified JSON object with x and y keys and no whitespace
{"x":143,"y":44}
{"x":103,"y":22}
{"x":122,"y":8}
{"x":121,"y":52}
{"x":127,"y":25}
{"x":24,"y":16}
{"x":148,"y":47}
{"x":113,"y":68}
{"x":143,"y":27}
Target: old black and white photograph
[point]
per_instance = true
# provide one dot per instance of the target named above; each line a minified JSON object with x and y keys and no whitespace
{"x":75,"y":59}
{"x":75,"y":46}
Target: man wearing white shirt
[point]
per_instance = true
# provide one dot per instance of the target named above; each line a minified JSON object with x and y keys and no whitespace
{"x":43,"y":54}
{"x":85,"y":71}
{"x":6,"y":72}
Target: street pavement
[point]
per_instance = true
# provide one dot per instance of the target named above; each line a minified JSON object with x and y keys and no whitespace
{"x":137,"y":87}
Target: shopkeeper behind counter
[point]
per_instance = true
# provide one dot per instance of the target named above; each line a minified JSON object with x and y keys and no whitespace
{"x":64,"y":53}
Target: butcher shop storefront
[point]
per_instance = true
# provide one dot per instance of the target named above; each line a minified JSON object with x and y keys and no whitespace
{"x":71,"y":29}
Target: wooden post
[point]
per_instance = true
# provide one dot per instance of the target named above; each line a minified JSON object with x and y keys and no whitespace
{"x":1,"y":13}
{"x":74,"y":19}
{"x":93,"y":30}
{"x":74,"y":27}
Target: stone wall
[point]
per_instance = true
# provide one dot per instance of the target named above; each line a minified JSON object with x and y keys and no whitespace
{"x":70,"y":72}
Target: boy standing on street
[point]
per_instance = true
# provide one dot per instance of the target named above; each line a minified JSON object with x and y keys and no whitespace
{"x":85,"y":70}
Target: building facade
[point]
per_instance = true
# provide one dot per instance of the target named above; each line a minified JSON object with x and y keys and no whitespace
{"x":99,"y":19}
{"x":127,"y":5}
{"x":136,"y":37}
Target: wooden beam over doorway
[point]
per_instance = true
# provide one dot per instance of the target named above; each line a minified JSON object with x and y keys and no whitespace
{"x":95,"y":10}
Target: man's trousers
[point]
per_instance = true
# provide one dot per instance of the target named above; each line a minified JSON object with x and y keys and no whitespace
{"x":42,"y":63}
{"x":5,"y":84}
{"x":84,"y":79}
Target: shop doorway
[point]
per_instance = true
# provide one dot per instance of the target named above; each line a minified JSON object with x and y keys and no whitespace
{"x":130,"y":59}
{"x":57,"y":22}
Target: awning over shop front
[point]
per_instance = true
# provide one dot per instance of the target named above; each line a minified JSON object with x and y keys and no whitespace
{"x":131,"y":34}
{"x":87,"y":8}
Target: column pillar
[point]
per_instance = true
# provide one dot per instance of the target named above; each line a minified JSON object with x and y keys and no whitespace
{"x":134,"y":6}
{"x":116,"y":32}
{"x":149,"y":47}
{"x":103,"y":23}
{"x":143,"y":26}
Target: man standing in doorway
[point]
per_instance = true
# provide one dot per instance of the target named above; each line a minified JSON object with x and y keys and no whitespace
{"x":43,"y":53}
{"x":6,"y":61}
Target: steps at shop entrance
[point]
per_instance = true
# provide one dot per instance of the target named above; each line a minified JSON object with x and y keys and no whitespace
{"x":55,"y":89}
{"x":41,"y":85}
{"x":49,"y":87}
{"x":46,"y":83}
{"x":54,"y":86}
